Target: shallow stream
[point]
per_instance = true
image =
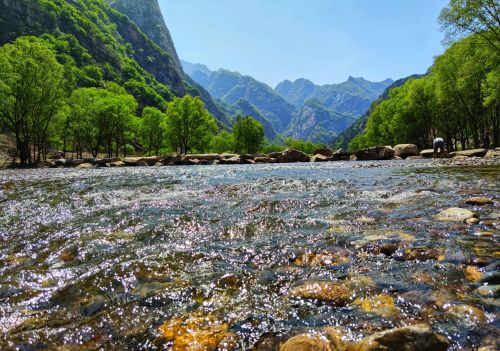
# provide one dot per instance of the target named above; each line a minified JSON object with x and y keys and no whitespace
{"x":102,"y":258}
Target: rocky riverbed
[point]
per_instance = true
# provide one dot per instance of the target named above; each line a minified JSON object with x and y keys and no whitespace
{"x":407,"y":152}
{"x":397,"y":255}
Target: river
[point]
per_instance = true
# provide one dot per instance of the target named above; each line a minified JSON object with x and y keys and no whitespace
{"x":103,"y":258}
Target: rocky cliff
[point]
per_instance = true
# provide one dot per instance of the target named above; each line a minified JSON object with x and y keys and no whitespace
{"x":148,"y":16}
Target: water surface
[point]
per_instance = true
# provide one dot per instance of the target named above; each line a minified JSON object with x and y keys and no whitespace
{"x":101,"y":258}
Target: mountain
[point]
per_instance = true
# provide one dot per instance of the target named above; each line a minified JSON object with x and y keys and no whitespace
{"x":352,"y":97}
{"x":231,"y":87}
{"x":149,"y":18}
{"x":358,"y":127}
{"x":314,"y":122}
{"x":98,"y":38}
{"x":244,"y":108}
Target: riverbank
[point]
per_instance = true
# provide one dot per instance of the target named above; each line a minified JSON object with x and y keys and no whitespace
{"x":406,"y":152}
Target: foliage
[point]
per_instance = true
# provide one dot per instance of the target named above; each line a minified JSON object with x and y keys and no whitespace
{"x":458,"y":100}
{"x":189,"y":125}
{"x":153,"y":129}
{"x":464,"y":17}
{"x":307,"y":147}
{"x":222,"y":142}
{"x":248,"y":135}
{"x":100,"y":119}
{"x":31,"y":94}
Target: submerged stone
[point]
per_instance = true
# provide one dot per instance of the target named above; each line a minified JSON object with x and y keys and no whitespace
{"x":308,"y":342}
{"x":472,"y":273}
{"x":382,"y":305}
{"x":335,"y":293}
{"x":455,"y":214}
{"x":479,"y":201}
{"x":322,"y":258}
{"x":466,"y":314}
{"x":198,"y":333}
{"x":418,"y":337}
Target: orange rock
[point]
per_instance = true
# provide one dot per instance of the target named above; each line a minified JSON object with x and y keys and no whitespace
{"x":381,"y":304}
{"x":198,"y":334}
{"x":472,"y":273}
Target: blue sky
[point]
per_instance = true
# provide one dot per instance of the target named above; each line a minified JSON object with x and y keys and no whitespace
{"x":322,"y":40}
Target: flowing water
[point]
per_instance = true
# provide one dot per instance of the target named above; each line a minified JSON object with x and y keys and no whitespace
{"x":100,"y":259}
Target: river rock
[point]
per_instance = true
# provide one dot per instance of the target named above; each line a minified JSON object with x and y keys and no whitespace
{"x":104,"y":161}
{"x":117,"y":164}
{"x":291,"y":155}
{"x":472,"y":221}
{"x":323,"y":152}
{"x":410,"y":158}
{"x":342,"y":154}
{"x":479,"y":201}
{"x":374,"y":153}
{"x":85,"y":166}
{"x":322,"y":258}
{"x":264,"y":159}
{"x":470,"y":153}
{"x":417,"y":337}
{"x":202,"y":157}
{"x":59,"y":162}
{"x":491,"y":154}
{"x":226,"y":159}
{"x":427,"y":153}
{"x":466,"y":314}
{"x":308,"y":342}
{"x":488,"y":291}
{"x":331,"y":292}
{"x":421,"y":254}
{"x":471,"y":273}
{"x":405,"y":150}
{"x":382,"y":305}
{"x":455,"y":214}
{"x":197,"y":333}
{"x":320,"y":158}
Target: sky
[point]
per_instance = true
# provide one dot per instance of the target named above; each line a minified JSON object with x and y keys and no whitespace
{"x":325,"y":41}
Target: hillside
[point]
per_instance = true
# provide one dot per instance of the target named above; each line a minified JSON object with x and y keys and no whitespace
{"x":352,"y":97}
{"x":313,"y":122}
{"x":97,"y":38}
{"x":231,"y":87}
{"x":358,"y":127}
{"x":244,"y":108}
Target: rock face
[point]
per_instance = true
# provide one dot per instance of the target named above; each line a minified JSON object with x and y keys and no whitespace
{"x":405,"y":150}
{"x":374,"y":153}
{"x":352,"y":97}
{"x":417,"y":337}
{"x":314,"y":122}
{"x":147,"y":15}
{"x":455,"y":215}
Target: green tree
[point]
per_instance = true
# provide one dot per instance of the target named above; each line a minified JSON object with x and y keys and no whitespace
{"x":222,"y":142}
{"x":153,"y":129}
{"x":31,"y":94}
{"x":464,"y":17}
{"x":248,"y":135}
{"x":189,"y":125}
{"x":100,"y":120}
